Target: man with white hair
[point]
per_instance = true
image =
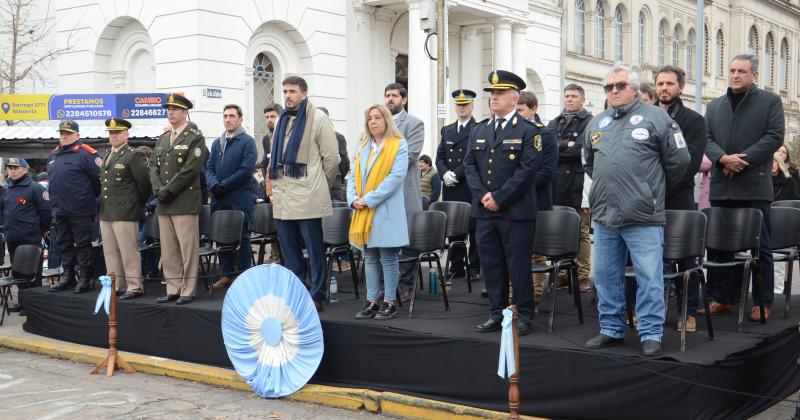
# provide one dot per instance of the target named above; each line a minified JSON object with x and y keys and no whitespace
{"x":634,"y":153}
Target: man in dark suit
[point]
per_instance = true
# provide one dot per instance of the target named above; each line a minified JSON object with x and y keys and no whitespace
{"x":501,"y":164}
{"x":450,"y":165}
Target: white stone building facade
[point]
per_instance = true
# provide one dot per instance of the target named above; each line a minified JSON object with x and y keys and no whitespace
{"x":348,"y":51}
{"x":652,"y":34}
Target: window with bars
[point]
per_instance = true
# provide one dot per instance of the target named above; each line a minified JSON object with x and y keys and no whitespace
{"x":752,"y":40}
{"x":263,"y":91}
{"x":676,"y":36}
{"x":720,"y":44}
{"x":599,"y":31}
{"x":662,"y":42}
{"x":690,"y":52}
{"x":580,"y":27}
{"x":783,"y":71}
{"x":618,"y":37}
{"x":642,"y":37}
{"x":706,"y":47}
{"x":769,"y":58}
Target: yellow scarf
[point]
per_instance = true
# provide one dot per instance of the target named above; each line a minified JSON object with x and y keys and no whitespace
{"x":361,"y":226}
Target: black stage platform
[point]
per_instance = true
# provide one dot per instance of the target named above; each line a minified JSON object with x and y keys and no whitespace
{"x":437,"y":355}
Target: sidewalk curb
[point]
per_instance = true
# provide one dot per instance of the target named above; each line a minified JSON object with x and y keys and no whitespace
{"x":353,"y":399}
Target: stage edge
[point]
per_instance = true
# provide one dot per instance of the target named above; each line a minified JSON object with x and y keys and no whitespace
{"x":353,"y":399}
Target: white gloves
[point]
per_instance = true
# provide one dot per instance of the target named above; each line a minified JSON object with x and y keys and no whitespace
{"x":450,"y":179}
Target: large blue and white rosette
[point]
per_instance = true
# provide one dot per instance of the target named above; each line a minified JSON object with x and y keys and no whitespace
{"x":271,"y":330}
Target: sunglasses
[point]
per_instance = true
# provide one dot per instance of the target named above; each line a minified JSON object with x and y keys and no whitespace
{"x":619,"y":85}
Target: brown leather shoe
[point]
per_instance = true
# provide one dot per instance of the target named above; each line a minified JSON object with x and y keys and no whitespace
{"x":223,"y":281}
{"x":691,"y":324}
{"x":720,"y":308}
{"x":755,"y":313}
{"x":585,"y":286}
{"x":318,"y":305}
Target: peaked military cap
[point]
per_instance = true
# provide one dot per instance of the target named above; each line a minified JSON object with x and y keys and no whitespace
{"x":463,"y":96}
{"x":15,"y":161}
{"x":176,"y":99}
{"x":117,"y":124}
{"x":503,"y":80}
{"x":68,"y":125}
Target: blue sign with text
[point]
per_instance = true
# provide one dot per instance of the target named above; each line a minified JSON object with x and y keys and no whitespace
{"x":82,"y":107}
{"x":141,"y":105}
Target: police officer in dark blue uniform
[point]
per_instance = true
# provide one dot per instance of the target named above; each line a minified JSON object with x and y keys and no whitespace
{"x":501,"y":165}
{"x":25,"y":209}
{"x":74,"y":170}
{"x":450,"y":167}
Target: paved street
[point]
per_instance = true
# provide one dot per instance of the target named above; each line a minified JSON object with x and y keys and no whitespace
{"x":40,"y":387}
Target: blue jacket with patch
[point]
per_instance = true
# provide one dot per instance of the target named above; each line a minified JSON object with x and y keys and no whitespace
{"x":74,"y":174}
{"x":231,"y":167}
{"x":26,"y":211}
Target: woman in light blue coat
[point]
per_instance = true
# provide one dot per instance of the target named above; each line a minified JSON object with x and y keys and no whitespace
{"x":375,"y":191}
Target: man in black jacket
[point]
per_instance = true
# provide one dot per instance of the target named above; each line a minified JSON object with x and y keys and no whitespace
{"x":669,"y":87}
{"x":744,"y":128}
{"x":567,"y":185}
{"x":338,"y":188}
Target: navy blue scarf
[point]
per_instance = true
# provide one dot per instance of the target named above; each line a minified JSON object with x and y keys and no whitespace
{"x":288,"y":160}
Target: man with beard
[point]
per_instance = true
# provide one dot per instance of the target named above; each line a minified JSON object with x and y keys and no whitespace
{"x":271,"y":113}
{"x":669,"y":87}
{"x":395,"y":97}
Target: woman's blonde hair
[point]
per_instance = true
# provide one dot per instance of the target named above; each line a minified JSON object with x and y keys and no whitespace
{"x":391,"y":127}
{"x":781,"y":164}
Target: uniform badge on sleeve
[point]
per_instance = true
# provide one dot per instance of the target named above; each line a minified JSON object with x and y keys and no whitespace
{"x":595,"y":137}
{"x":604,"y":122}
{"x":197,"y":152}
{"x":679,"y":140}
{"x":537,"y":142}
{"x":98,"y":161}
{"x":46,"y":196}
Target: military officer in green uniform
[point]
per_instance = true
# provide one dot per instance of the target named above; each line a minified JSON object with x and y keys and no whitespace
{"x":175,"y":170}
{"x":125,"y":188}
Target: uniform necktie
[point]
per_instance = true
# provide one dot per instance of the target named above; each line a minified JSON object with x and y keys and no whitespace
{"x":499,"y":127}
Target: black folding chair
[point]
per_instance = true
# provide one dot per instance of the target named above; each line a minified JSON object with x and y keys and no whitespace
{"x":337,"y":204}
{"x":225,"y":233}
{"x":151,"y":245}
{"x":263,"y":229}
{"x":785,"y":239}
{"x":737,"y":230}
{"x":426,"y":202}
{"x":427,"y":238}
{"x":456,"y":232}
{"x":27,"y":260}
{"x":565,"y":208}
{"x":336,"y":235}
{"x":557,"y":237}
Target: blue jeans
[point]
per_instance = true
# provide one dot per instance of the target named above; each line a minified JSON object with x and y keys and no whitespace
{"x":611,"y":246}
{"x":293,"y":235}
{"x":244,"y":255}
{"x":381,"y":263}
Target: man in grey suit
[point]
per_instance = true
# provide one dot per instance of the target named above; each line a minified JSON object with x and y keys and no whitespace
{"x":395,"y":97}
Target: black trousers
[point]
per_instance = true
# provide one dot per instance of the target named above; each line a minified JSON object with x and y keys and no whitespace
{"x":505,"y":248}
{"x":12,"y":247}
{"x":75,"y":240}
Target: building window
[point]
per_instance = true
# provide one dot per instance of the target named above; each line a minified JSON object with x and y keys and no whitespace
{"x":263,"y":90}
{"x":706,"y":47}
{"x":676,"y":36}
{"x":599,"y":31}
{"x":720,"y":54}
{"x":783,"y":70}
{"x":769,"y":53}
{"x":752,"y":41}
{"x":580,"y":27}
{"x":618,"y":34}
{"x":662,"y":42}
{"x":690,"y":52}
{"x":642,"y":42}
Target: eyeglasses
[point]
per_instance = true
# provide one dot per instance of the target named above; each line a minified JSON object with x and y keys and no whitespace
{"x":619,"y":85}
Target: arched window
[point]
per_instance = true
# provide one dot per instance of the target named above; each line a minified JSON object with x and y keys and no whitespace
{"x":783,"y":69}
{"x":642,"y":37}
{"x":580,"y":27}
{"x":769,"y":53}
{"x":599,"y":31}
{"x":706,"y":47}
{"x":752,"y":40}
{"x":691,"y":50}
{"x":663,"y":30}
{"x":263,"y":90}
{"x":618,"y":34}
{"x":676,"y":47}
{"x":720,"y":53}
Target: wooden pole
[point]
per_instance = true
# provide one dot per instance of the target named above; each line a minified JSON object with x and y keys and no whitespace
{"x":113,"y":361}
{"x":513,"y":380}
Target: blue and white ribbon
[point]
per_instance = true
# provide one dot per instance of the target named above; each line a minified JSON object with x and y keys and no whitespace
{"x":506,"y":366}
{"x":104,"y":298}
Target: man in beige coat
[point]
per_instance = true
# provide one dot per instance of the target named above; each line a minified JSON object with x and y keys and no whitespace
{"x":303,"y":163}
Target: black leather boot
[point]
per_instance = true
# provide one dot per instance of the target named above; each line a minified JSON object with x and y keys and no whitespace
{"x":66,"y":282}
{"x":84,"y":283}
